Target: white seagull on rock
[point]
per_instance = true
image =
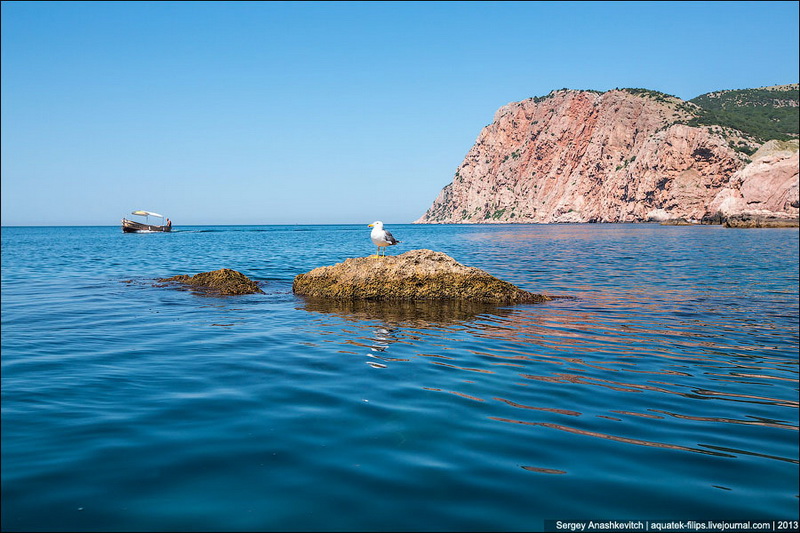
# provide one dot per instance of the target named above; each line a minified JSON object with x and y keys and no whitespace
{"x":381,"y":237}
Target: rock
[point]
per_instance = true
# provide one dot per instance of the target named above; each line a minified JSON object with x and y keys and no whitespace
{"x":752,"y":219}
{"x":766,"y":187}
{"x":749,"y":220}
{"x":676,"y":222}
{"x":224,"y":281}
{"x":414,"y":275}
{"x":714,"y":218}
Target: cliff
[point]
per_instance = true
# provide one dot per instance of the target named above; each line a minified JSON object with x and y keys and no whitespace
{"x":625,"y":155}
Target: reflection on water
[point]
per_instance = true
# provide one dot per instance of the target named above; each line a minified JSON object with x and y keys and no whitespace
{"x":626,"y":440}
{"x":591,"y":361}
{"x":407,"y":313}
{"x":388,"y":322}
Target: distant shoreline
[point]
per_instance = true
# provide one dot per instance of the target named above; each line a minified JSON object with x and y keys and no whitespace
{"x":777,"y":223}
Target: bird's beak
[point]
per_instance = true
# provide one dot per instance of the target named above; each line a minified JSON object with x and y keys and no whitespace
{"x":370,"y":225}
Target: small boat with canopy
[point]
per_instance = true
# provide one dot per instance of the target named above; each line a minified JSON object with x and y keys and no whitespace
{"x":132,"y":226}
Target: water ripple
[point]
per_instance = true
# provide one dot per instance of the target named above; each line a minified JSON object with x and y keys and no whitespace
{"x":668,"y":381}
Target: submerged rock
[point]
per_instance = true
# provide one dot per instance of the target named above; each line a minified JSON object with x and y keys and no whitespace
{"x":224,"y":281}
{"x":414,"y":275}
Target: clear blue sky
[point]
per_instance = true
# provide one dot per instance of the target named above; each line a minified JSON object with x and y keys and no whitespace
{"x":341,"y":112}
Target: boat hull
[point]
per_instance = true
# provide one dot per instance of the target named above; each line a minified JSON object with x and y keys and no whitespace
{"x":130,"y":226}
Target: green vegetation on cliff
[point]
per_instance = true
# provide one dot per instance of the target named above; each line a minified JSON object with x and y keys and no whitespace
{"x":658,"y":96}
{"x":767,"y":113}
{"x":759,"y":114}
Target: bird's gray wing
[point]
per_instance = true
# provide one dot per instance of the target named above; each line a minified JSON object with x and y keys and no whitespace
{"x":390,"y":238}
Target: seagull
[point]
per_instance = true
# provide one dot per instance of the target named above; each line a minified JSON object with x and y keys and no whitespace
{"x":381,"y":237}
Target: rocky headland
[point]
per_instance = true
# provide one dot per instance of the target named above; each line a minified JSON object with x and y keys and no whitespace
{"x":627,"y":155}
{"x":413,"y":276}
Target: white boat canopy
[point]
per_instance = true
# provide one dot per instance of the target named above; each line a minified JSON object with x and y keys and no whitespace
{"x":146,"y":213}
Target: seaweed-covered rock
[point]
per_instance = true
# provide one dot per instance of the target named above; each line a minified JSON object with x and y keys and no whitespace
{"x":224,"y":281}
{"x":750,"y":220}
{"x":414,"y":275}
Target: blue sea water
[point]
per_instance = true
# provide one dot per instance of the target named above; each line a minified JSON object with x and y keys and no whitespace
{"x":666,"y":387}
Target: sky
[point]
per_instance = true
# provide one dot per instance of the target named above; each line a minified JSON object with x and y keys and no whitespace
{"x":322,"y":112}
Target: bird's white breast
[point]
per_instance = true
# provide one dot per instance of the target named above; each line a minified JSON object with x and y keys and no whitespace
{"x":378,"y":237}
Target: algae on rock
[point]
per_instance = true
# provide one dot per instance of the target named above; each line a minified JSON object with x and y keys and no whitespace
{"x":414,"y":275}
{"x":224,"y":281}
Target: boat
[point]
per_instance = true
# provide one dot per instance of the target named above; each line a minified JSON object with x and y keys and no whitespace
{"x":132,"y":226}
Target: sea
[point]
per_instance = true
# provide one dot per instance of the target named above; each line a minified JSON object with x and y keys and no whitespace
{"x":662,"y":387}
